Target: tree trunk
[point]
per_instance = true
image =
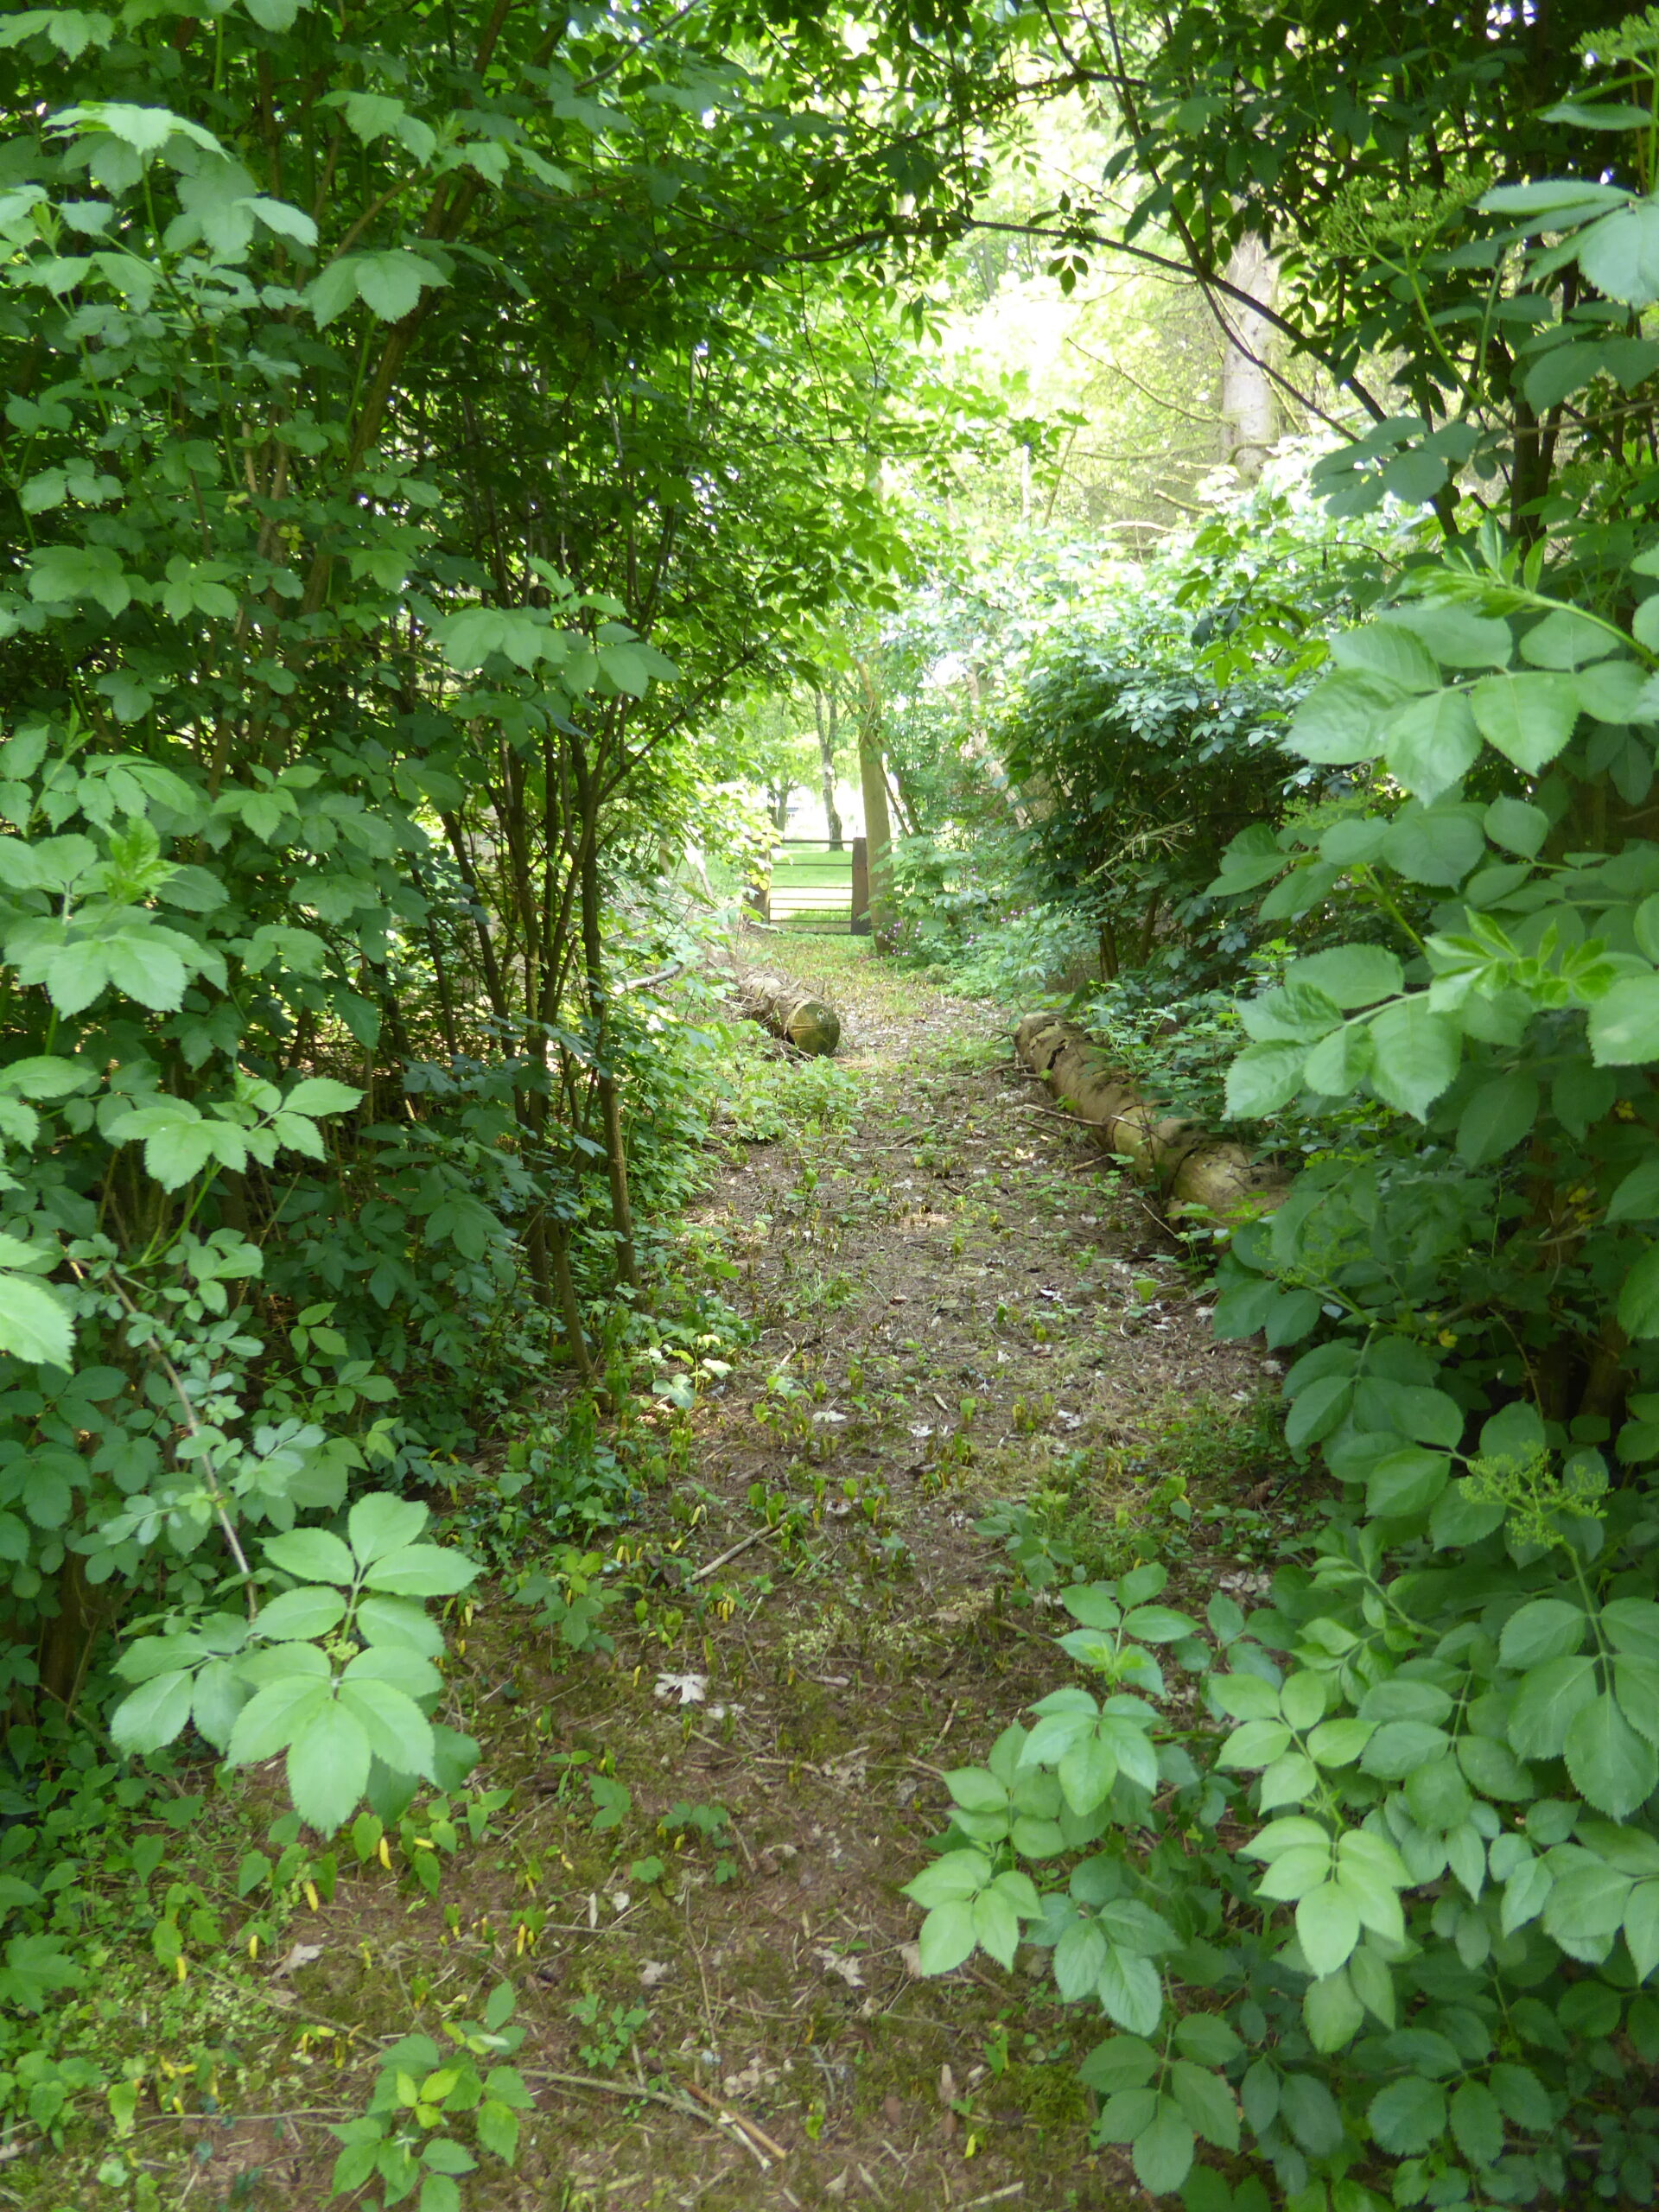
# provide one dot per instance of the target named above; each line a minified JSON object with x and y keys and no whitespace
{"x":878,"y":829}
{"x":827,"y":734}
{"x":1249,"y":414}
{"x":610,"y":1104}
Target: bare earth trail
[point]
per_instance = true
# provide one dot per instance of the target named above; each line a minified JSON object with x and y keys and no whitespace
{"x":955,"y":1308}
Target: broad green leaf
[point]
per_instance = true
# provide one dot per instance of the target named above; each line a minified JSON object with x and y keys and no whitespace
{"x":382,"y":1523}
{"x":947,"y":1937}
{"x":1327,"y":1926}
{"x":320,"y":1094}
{"x":312,"y":1556}
{"x":1437,"y":845}
{"x":1263,"y":1079}
{"x":1546,"y":1703}
{"x":1638,"y":1300}
{"x":1120,"y":2062}
{"x":1350,"y":975}
{"x":1417,"y":1053}
{"x":398,"y":1732}
{"x":327,"y":1766}
{"x":1527,"y":718}
{"x":1619,"y":255}
{"x":1497,"y":1117}
{"x":1162,"y":2153}
{"x":1407,"y":1483}
{"x":1131,"y":1991}
{"x":1642,"y":1928}
{"x":1342,"y":719}
{"x":153,"y":1714}
{"x":1477,"y":2124}
{"x":1456,"y":636}
{"x":1547,"y":1628}
{"x":1433,"y":743}
{"x":1516,"y":826}
{"x":420,"y":1571}
{"x":1567,"y":639}
{"x":1624,"y":1024}
{"x":949,"y":1880}
{"x":1384,"y":650}
{"x":1614,"y":1769}
{"x":34,"y":1322}
{"x":301,"y":1613}
{"x":275,"y":1715}
{"x":1407,"y":2117}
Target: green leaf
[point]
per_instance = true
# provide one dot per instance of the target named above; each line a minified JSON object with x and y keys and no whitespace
{"x":1131,"y":1991}
{"x":947,"y":1937}
{"x":1437,"y":845}
{"x":950,"y":1880}
{"x":1565,"y":639}
{"x":1497,"y":1117}
{"x":1432,"y":744}
{"x":35,"y":1323}
{"x":1548,"y":1628}
{"x":1477,"y":2124}
{"x":1120,"y":2062}
{"x":1162,"y":2153}
{"x":1309,"y":2110}
{"x":398,"y":1732}
{"x":1405,"y":1483}
{"x":299,"y":1613}
{"x":1341,"y":719}
{"x":1638,"y":1300}
{"x":1350,"y":975}
{"x":327,"y":1766}
{"x":320,"y":1094}
{"x":421,"y":1571}
{"x":381,"y":1524}
{"x":271,"y":1719}
{"x":1263,"y":1079}
{"x":1545,"y":1704}
{"x":1516,"y":826}
{"x":1642,"y":1928}
{"x":1636,"y":1198}
{"x":1417,"y":1055}
{"x":1620,"y":254}
{"x":1528,"y":718}
{"x":1611,"y":1766}
{"x":1407,"y":2117}
{"x":1456,"y":636}
{"x":1327,"y":1927}
{"x":153,"y":1715}
{"x":312,"y":1556}
{"x":1384,"y":650}
{"x":1624,"y":1024}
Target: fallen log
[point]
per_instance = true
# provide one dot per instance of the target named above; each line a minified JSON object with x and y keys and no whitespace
{"x":811,"y":1024}
{"x":1187,"y":1166}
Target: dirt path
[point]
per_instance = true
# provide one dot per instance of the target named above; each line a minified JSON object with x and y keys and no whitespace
{"x":956,"y":1311}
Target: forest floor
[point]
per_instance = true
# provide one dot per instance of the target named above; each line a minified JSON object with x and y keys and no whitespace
{"x":954,"y":1309}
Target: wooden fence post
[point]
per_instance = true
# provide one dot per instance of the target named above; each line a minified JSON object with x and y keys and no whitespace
{"x":860,"y":913}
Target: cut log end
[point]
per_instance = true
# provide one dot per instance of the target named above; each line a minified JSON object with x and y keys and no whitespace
{"x":810,"y":1025}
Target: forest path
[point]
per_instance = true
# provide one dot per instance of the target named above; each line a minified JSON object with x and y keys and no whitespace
{"x":688,"y":1852}
{"x":955,"y":1308}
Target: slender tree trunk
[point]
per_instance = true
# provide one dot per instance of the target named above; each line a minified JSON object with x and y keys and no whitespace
{"x":878,"y":829}
{"x":827,"y":761}
{"x":610,"y":1103}
{"x":1249,"y":414}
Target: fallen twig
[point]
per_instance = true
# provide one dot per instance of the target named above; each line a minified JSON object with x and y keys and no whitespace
{"x":735,"y":2119}
{"x":757,"y":1536}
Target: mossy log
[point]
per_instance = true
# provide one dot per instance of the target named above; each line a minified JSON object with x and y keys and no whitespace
{"x":810,"y":1025}
{"x":1187,"y":1166}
